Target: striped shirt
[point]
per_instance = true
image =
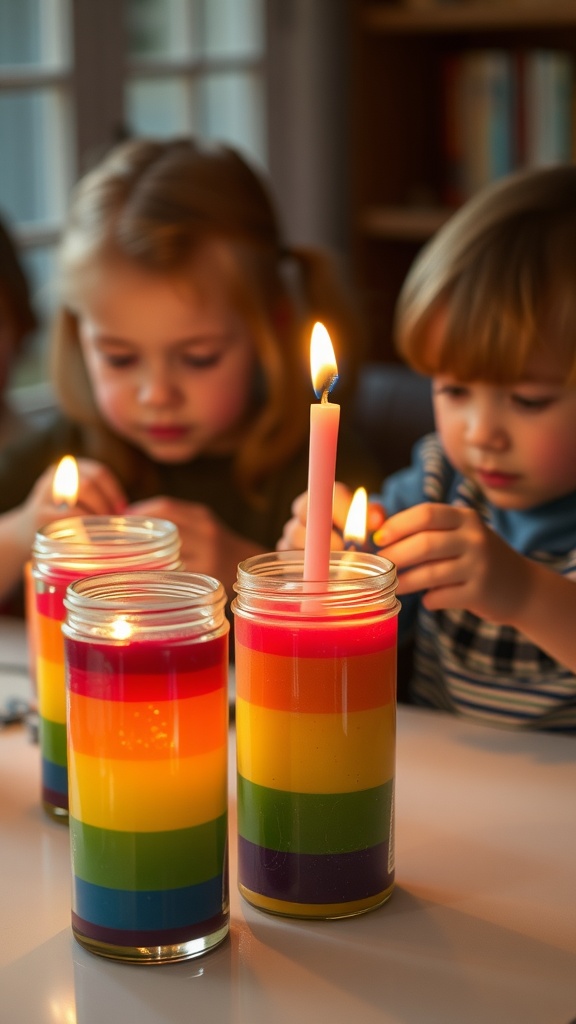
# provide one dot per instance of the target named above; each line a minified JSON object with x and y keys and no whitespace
{"x":462,"y":663}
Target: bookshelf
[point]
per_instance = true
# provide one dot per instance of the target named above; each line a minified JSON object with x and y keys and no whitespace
{"x":399,"y":162}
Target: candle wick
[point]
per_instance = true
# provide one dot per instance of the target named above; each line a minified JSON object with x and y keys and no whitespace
{"x":322,"y":392}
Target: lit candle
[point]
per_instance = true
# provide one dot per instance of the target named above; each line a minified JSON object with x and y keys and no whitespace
{"x":65,"y":483}
{"x":355,"y":527}
{"x":324,"y":422}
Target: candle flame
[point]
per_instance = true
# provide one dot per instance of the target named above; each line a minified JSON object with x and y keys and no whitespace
{"x":323,"y":365}
{"x":121,"y":628}
{"x":355,"y":528}
{"x":65,"y":483}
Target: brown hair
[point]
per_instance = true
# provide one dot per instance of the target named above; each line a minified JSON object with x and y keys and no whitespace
{"x":502,"y":274}
{"x":14,"y":287}
{"x":156,"y":204}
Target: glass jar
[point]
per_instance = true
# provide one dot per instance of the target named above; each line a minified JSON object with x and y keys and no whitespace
{"x":315,"y":725}
{"x":63,"y":551}
{"x":147,"y":675}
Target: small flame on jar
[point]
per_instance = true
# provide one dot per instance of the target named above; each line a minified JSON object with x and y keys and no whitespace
{"x":65,"y":483}
{"x":355,"y":528}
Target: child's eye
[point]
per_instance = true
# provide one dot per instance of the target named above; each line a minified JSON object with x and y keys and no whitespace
{"x":201,"y":362}
{"x":118,"y":362}
{"x":532,"y":402}
{"x":451,"y":390}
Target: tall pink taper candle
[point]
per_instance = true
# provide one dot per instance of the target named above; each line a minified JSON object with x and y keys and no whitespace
{"x":324,"y":422}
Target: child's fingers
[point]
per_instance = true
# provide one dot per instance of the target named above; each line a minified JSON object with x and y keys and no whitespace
{"x":293,"y":536}
{"x":342,"y":499}
{"x":99,"y":490}
{"x":376,"y":517}
{"x":418,"y":519}
{"x":299,"y":507}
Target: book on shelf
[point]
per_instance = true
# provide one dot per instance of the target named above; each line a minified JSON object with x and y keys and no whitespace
{"x":548,"y":97}
{"x":502,"y":110}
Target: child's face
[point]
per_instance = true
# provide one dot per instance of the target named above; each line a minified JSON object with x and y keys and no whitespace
{"x":171,"y":373}
{"x":517,"y":441}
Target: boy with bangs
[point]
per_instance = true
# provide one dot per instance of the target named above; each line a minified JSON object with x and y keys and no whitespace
{"x":482,"y":525}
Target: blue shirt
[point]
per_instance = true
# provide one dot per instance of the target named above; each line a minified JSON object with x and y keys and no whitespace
{"x":461,"y":662}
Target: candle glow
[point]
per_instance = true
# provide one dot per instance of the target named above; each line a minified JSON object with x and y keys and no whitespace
{"x":324,"y":423}
{"x":65,"y":483}
{"x":121,"y":628}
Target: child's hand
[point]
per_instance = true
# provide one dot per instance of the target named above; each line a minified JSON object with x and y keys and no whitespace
{"x":208,"y":545}
{"x":294,"y":532}
{"x":99,"y":490}
{"x":99,"y":493}
{"x":451,"y":554}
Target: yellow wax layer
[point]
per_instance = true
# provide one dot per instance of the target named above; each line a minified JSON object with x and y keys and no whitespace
{"x":321,"y":910}
{"x":316,"y":753}
{"x":147,"y":796}
{"x":51,"y":680}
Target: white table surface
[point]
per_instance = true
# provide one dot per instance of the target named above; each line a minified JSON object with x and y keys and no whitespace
{"x":481,"y":928}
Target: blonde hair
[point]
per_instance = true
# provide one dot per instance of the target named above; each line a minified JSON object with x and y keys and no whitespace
{"x":157,"y":205}
{"x":502,"y":276}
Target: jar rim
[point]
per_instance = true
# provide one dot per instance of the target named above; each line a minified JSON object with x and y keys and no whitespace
{"x":349,"y":570}
{"x":147,"y":602}
{"x":92,"y":543}
{"x":272,"y":585}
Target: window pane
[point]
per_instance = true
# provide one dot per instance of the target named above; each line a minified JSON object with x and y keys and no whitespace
{"x":33,"y":182}
{"x":39,"y":265}
{"x":232,"y":109}
{"x":158,"y":29}
{"x":34,"y":32}
{"x":233,"y":27}
{"x":159,"y":108}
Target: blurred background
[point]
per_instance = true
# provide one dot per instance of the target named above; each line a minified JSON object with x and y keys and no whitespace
{"x":373,"y":119}
{"x":78,"y":75}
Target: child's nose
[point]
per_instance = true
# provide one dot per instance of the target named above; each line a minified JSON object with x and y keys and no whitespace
{"x":484,"y":427}
{"x":157,"y":387}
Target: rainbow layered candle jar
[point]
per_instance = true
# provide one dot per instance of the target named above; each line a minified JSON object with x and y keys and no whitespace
{"x":315,"y":723}
{"x":147,"y":667}
{"x":64,"y":551}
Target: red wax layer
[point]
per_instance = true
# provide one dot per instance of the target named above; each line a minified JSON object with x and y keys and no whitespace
{"x":186,"y":667}
{"x":51,"y":603}
{"x":309,"y":638}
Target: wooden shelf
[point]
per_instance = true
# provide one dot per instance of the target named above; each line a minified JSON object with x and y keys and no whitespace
{"x":403,"y":222}
{"x":400,"y":170}
{"x":470,"y":16}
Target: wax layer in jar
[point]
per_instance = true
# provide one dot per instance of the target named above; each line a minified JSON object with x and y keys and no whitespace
{"x":51,"y":683}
